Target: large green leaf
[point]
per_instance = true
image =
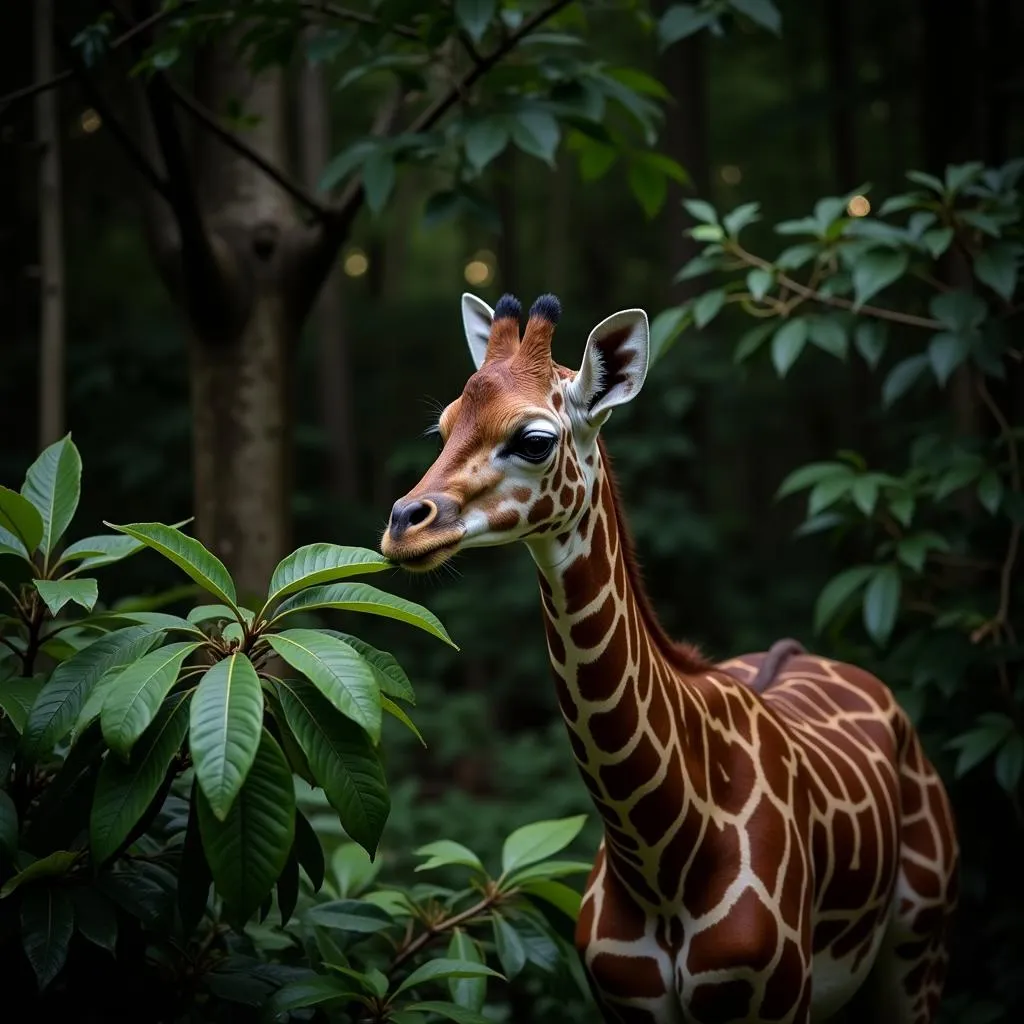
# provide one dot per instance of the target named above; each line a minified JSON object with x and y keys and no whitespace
{"x":538,"y":841}
{"x":680,"y":21}
{"x":438,"y":1008}
{"x":124,"y":791}
{"x":10,"y":545}
{"x":882,"y":602}
{"x":322,"y":563}
{"x":788,"y":343}
{"x":132,"y":697}
{"x":902,"y":377}
{"x":996,"y":266}
{"x":47,"y":923}
{"x":876,"y":270}
{"x":558,"y":895}
{"x":838,"y":591}
{"x":337,"y":671}
{"x":62,"y":698}
{"x":103,"y":549}
{"x":19,"y":517}
{"x":475,"y":15}
{"x":95,"y":917}
{"x":342,"y":760}
{"x":247,"y":851}
{"x":187,"y":554}
{"x":53,"y":484}
{"x":361,"y":597}
{"x":536,"y":132}
{"x":53,"y":865}
{"x":226,"y":722}
{"x":312,"y":991}
{"x":469,"y":992}
{"x":57,"y":593}
{"x":17,"y":695}
{"x":761,"y":12}
{"x":390,"y":675}
{"x":485,"y":139}
{"x":509,"y":947}
{"x":443,"y":852}
{"x":439,"y":970}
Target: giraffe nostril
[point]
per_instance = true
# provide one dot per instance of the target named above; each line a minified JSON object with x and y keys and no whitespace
{"x":410,"y":515}
{"x":419,"y":512}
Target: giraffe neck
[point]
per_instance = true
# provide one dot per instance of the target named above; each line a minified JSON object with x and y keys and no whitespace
{"x":623,"y":688}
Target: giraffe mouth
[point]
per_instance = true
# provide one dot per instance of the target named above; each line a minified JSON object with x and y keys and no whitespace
{"x":424,"y":561}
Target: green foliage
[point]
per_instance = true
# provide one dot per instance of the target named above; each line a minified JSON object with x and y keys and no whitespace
{"x":926,"y":293}
{"x":526,"y":71}
{"x":147,"y":768}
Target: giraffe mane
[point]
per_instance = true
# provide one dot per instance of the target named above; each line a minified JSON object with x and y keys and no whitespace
{"x":684,"y":657}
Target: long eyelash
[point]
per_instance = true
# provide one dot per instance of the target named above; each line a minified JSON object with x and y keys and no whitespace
{"x":434,"y":430}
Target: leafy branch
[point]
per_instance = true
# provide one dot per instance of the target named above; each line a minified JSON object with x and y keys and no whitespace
{"x":809,"y":292}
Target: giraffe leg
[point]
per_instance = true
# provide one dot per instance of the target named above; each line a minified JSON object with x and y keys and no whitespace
{"x":630,"y":973}
{"x":905,"y":984}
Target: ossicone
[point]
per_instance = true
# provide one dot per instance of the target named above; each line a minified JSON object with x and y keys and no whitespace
{"x":547,"y":307}
{"x":508,"y":307}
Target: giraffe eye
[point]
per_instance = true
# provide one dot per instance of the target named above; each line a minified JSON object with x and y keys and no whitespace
{"x":532,"y":445}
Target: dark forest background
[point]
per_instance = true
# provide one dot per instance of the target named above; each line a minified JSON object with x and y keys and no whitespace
{"x":845,"y":95}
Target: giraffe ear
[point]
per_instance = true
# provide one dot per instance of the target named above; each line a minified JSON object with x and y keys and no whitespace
{"x":614,"y":364}
{"x":477,"y":317}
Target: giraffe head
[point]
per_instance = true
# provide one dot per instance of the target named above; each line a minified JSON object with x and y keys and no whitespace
{"x":520,"y":454}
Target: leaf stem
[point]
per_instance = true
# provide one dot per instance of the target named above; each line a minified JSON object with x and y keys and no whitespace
{"x":493,"y":897}
{"x":836,"y":301}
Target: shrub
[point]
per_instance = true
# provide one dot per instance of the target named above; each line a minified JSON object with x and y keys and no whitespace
{"x":927,"y":296}
{"x":148,"y":758}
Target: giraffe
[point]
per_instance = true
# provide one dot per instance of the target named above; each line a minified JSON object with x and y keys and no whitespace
{"x":776,"y":845}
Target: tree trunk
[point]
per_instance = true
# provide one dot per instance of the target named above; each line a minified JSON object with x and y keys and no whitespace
{"x":241,"y":445}
{"x":240,"y":376}
{"x":51,"y":237}
{"x":333,"y":359}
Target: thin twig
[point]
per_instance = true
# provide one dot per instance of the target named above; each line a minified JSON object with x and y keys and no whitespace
{"x":445,"y":925}
{"x":29,"y":91}
{"x":312,"y":6}
{"x":469,"y":47}
{"x":359,"y":17}
{"x":209,"y":120}
{"x":832,"y":300}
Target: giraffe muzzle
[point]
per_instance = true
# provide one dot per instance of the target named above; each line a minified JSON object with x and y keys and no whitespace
{"x":422,"y":531}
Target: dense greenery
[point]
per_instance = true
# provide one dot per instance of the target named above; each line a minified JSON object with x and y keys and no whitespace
{"x":928,"y":295}
{"x":753,"y":107}
{"x":137,"y":772}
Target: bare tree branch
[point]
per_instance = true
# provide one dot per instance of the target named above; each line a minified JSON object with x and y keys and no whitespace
{"x":317,"y":247}
{"x":209,"y":120}
{"x":205,"y":292}
{"x":358,"y":17}
{"x":52,"y":82}
{"x":110,"y":119}
{"x":326,"y":10}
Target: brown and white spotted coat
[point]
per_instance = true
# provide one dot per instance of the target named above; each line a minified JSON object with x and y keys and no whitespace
{"x":777,"y":846}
